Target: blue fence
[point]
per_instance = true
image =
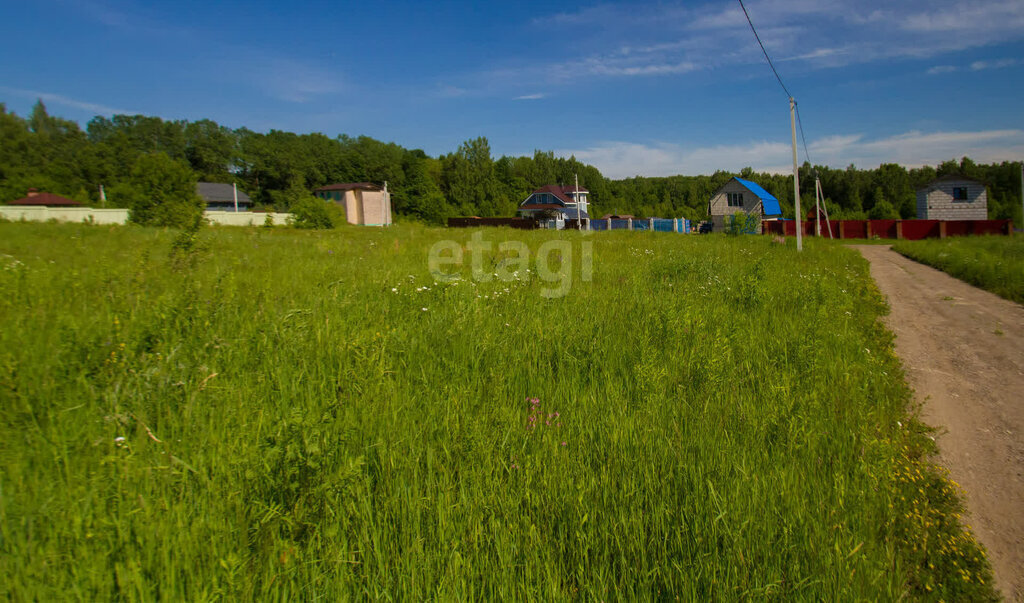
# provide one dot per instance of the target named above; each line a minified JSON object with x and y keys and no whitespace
{"x":681,"y":225}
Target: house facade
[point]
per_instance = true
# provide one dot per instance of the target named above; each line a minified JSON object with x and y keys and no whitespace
{"x":221,"y":196}
{"x":741,"y":196}
{"x":953,"y":198}
{"x":365,"y":203}
{"x":562,"y":202}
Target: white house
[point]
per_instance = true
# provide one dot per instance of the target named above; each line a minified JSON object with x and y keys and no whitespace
{"x":952,"y":197}
{"x":565,"y":202}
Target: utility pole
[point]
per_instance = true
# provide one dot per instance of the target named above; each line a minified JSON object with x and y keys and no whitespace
{"x":1022,"y":193}
{"x":234,"y":189}
{"x":796,"y":175}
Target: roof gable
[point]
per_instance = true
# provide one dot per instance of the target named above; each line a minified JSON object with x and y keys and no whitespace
{"x":769,"y":204}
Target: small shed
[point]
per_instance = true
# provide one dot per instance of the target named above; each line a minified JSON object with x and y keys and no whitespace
{"x":952,"y":197}
{"x":220,"y":196}
{"x":365,"y":203}
{"x":739,"y":195}
{"x":34,"y":197}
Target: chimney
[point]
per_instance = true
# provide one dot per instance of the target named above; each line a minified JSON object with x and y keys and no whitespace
{"x":32,"y":192}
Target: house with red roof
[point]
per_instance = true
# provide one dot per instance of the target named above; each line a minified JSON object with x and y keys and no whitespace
{"x":37,"y":198}
{"x":562,"y":202}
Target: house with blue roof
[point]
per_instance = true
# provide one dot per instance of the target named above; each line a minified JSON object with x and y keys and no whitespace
{"x":739,"y":195}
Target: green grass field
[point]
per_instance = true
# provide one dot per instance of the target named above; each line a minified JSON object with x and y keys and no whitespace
{"x":992,"y":262}
{"x":296,"y":415}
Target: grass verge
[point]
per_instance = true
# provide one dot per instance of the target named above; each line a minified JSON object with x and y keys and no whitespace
{"x":993,"y":263}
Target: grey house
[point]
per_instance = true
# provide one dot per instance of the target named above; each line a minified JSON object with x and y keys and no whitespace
{"x":952,"y":198}
{"x":220,"y":196}
{"x":739,"y":195}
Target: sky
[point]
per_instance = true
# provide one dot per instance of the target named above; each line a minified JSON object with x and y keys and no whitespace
{"x":634,"y":88}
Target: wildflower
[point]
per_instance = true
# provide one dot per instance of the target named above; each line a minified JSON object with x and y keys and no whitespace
{"x":394,"y":289}
{"x":564,"y":444}
{"x":424,"y":309}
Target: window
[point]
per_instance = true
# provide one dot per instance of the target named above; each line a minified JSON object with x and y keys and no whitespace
{"x":735,"y":199}
{"x":959,"y":193}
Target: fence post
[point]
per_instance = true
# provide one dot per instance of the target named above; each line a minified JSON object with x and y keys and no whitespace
{"x":867,"y":229}
{"x":899,"y":229}
{"x":942,"y":229}
{"x":630,"y":220}
{"x":842,"y":230}
{"x":675,"y":224}
{"x":609,"y":223}
{"x":651,"y":224}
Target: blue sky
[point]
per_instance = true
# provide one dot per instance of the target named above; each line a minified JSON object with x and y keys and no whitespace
{"x":648,"y":88}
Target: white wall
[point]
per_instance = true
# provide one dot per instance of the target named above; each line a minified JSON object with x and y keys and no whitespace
{"x":34,"y":213}
{"x":245,"y":218}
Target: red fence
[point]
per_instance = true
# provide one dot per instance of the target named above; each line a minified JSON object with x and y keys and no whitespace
{"x":892,"y":229}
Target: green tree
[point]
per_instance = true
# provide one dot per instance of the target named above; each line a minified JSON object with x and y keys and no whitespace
{"x":883,"y":210}
{"x":310,"y":212}
{"x":161,"y":192}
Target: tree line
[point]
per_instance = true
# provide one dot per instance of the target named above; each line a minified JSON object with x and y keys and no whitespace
{"x":131,"y":154}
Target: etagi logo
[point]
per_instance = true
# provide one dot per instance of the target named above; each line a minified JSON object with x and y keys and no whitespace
{"x":554,"y":261}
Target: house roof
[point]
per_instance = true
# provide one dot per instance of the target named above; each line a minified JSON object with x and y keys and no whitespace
{"x":220,"y":191}
{"x":562,"y":193}
{"x":350,"y":186}
{"x":769,"y":204}
{"x":617,"y":217}
{"x":541,"y":206}
{"x":574,"y":214}
{"x":47,"y":199}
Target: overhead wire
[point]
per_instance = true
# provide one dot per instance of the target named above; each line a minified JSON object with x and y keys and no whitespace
{"x":767,"y":58}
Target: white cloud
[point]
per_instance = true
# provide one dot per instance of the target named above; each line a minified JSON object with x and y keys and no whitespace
{"x":536,"y":96}
{"x":940,"y":69}
{"x":59,"y":99}
{"x":998,"y":64}
{"x":912,"y":149}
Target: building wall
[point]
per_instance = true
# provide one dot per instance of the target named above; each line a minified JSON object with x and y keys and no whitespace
{"x":936,"y":201}
{"x":720,"y":204}
{"x":233,"y":218}
{"x":34,"y":213}
{"x":120,"y":216}
{"x":374,"y":208}
{"x":354,"y":207}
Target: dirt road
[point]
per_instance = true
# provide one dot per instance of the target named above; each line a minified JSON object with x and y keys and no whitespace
{"x":963,"y":351}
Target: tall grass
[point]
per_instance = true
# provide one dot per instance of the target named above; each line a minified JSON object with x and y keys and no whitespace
{"x":297,"y":413}
{"x":993,"y":263}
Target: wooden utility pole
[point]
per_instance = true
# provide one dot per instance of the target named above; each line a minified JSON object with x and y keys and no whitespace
{"x":796,"y":176}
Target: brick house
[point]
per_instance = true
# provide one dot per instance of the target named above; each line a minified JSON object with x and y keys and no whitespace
{"x":365,"y":203}
{"x":952,"y":197}
{"x":739,"y":195}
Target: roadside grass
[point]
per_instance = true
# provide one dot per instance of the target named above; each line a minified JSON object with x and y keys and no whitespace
{"x":271,"y":413}
{"x":993,"y":263}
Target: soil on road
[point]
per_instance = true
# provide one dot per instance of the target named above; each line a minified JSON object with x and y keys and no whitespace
{"x":963,"y":352}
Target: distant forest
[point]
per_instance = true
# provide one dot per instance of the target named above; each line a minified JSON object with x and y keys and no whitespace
{"x":278,"y":168}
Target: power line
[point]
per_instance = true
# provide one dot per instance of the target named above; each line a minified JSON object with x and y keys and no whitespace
{"x":758,"y":38}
